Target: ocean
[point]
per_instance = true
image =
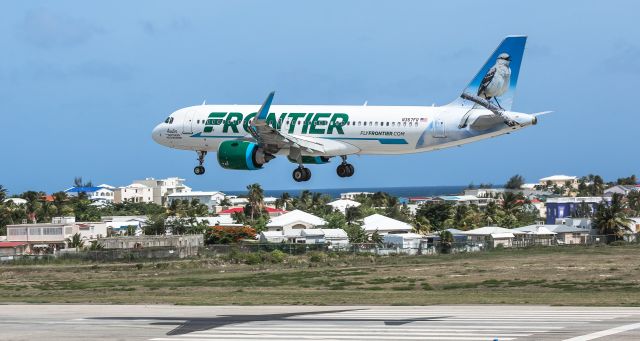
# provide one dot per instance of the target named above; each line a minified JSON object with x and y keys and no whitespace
{"x":401,"y":192}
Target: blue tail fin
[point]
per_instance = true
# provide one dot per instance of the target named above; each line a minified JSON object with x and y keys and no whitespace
{"x":495,"y":84}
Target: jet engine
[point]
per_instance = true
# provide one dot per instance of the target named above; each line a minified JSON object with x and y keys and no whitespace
{"x":243,"y":155}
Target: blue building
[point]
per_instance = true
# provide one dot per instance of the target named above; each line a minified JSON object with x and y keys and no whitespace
{"x":566,"y":207}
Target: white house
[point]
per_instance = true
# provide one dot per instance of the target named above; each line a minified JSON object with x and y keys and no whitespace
{"x":494,"y":234}
{"x":120,"y":224}
{"x":568,"y":234}
{"x":103,"y":193}
{"x":211,"y":199}
{"x":353,"y":195}
{"x":539,"y":234}
{"x":312,"y":236}
{"x":559,"y":180}
{"x":92,"y":230}
{"x":162,"y":188}
{"x":342,"y":204}
{"x":464,"y":200}
{"x":134,"y":193}
{"x":16,"y":201}
{"x":336,"y":237}
{"x":621,"y":189}
{"x":408,"y":241}
{"x":294,"y":220}
{"x":384,"y":225}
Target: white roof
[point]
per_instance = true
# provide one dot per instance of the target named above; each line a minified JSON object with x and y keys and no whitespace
{"x":272,"y":233}
{"x":295,"y":216}
{"x":344,"y":203}
{"x":405,"y":235}
{"x":16,"y":201}
{"x":490,"y":230}
{"x":559,"y":178}
{"x":136,"y":186}
{"x":222,"y":220}
{"x":539,"y":230}
{"x":502,"y":235}
{"x":381,"y":223}
{"x":106,"y":186}
{"x":334,"y":233}
{"x":195,"y":194}
{"x":311,"y":232}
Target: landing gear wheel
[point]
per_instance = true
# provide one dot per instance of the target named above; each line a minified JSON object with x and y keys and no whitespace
{"x":345,"y":170}
{"x":351,"y":169}
{"x":301,"y":174}
{"x":198,"y":170}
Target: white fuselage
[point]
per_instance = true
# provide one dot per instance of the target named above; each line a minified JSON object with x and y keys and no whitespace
{"x":369,"y":129}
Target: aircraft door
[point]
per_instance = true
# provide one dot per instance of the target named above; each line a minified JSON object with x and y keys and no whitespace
{"x":187,"y":124}
{"x":439,"y":129}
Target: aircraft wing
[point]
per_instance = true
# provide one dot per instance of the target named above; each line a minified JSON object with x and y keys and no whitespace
{"x":273,"y":140}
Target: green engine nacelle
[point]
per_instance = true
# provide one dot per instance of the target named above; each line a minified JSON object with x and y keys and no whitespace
{"x":313,"y":160}
{"x":241,"y":155}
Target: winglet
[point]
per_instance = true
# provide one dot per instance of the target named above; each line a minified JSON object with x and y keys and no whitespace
{"x":264,"y":109}
{"x":541,"y":113}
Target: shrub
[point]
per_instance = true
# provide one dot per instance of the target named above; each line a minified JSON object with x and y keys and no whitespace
{"x":316,"y":257}
{"x":228,"y":235}
{"x":278,"y":256}
{"x":252,"y":258}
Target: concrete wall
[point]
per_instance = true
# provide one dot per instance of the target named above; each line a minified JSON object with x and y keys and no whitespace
{"x":141,"y":242}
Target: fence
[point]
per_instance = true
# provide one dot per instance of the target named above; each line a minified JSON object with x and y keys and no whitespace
{"x":424,"y":247}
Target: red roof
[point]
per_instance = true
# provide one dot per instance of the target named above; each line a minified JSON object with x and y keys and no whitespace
{"x":241,"y":209}
{"x":12,"y":244}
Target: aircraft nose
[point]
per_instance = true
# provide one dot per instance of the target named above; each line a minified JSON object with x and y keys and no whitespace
{"x":156,"y":134}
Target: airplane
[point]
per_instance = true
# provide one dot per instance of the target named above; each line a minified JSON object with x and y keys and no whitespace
{"x":247,"y":137}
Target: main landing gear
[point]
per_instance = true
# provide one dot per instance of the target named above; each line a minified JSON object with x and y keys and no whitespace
{"x":345,"y":169}
{"x":199,"y":170}
{"x":301,"y":174}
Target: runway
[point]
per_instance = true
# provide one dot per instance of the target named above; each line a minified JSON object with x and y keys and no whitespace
{"x":383,"y":323}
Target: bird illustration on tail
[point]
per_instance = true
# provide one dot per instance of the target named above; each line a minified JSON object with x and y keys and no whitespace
{"x":494,"y":85}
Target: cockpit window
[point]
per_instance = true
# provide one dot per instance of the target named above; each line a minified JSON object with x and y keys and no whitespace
{"x":167,"y":120}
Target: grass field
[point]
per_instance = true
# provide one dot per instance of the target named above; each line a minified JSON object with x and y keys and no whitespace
{"x":578,"y":275}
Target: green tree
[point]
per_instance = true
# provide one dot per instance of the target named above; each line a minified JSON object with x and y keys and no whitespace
{"x":3,"y":194}
{"x":631,"y":180}
{"x":356,"y":234}
{"x":75,"y":241}
{"x":611,"y":219}
{"x":446,"y":241}
{"x":155,"y":225}
{"x":256,"y":200}
{"x":515,"y":182}
{"x":376,"y":238}
{"x":352,"y":214}
{"x":335,"y":220}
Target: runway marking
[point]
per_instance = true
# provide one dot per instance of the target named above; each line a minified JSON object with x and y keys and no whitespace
{"x":405,"y":325}
{"x":606,"y":332}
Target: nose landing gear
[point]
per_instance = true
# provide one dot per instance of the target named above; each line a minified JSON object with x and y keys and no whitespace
{"x":199,"y":170}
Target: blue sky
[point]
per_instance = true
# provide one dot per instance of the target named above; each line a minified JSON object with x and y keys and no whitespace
{"x":82,"y":84}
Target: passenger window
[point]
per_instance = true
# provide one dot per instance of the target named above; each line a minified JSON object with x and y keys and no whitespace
{"x":365,"y":123}
{"x":387,"y":124}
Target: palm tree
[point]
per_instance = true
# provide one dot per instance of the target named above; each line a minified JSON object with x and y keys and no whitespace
{"x":3,"y":194}
{"x":611,"y":219}
{"x":75,"y":241}
{"x":352,"y":213}
{"x":446,"y":241}
{"x":256,"y":199}
{"x":283,"y":201}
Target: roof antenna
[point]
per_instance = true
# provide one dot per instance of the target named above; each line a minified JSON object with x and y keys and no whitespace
{"x":365,"y":103}
{"x":204,"y":102}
